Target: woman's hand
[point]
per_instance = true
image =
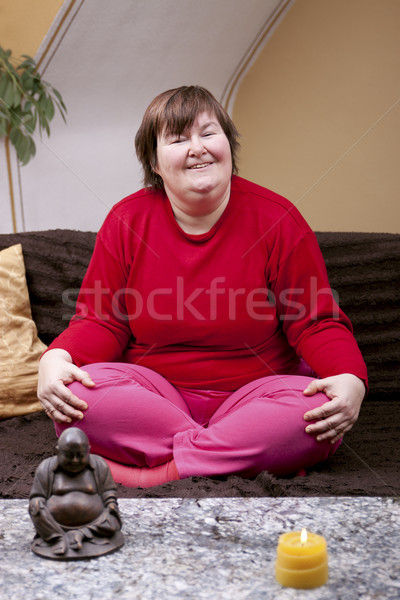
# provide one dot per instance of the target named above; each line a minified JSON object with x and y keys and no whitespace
{"x":338,"y":415}
{"x":56,"y":370}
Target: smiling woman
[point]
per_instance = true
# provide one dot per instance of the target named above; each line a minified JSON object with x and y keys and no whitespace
{"x":196,"y":168}
{"x":203,"y":320}
{"x":173,"y":112}
{"x":194,"y":156}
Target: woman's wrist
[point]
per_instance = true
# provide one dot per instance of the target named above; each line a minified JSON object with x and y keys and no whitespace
{"x":56,"y":352}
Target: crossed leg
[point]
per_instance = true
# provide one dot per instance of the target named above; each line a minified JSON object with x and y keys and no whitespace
{"x":259,"y":427}
{"x":136,"y":418}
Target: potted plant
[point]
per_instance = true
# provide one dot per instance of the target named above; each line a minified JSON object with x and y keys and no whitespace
{"x":27,"y":105}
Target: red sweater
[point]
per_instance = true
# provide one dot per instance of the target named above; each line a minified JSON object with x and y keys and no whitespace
{"x":210,"y":311}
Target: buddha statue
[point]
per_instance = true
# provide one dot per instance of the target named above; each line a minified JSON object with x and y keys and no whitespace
{"x":73,"y":503}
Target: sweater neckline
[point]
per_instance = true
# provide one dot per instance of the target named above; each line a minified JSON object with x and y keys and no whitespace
{"x":197,"y":238}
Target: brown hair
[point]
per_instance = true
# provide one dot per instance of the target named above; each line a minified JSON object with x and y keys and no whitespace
{"x":172,"y":112}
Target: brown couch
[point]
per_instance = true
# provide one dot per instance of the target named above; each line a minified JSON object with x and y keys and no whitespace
{"x":363,"y":268}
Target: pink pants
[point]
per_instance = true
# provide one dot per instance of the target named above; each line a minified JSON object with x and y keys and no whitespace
{"x":136,"y":417}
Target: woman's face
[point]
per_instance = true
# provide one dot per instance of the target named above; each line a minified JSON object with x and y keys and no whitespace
{"x":196,"y":164}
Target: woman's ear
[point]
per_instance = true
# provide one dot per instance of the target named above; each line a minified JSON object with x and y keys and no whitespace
{"x":153,"y":163}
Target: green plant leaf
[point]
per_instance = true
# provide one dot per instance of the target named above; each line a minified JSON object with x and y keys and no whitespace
{"x":16,"y":94}
{"x":8,"y":95}
{"x":27,"y":103}
{"x":15,"y":136}
{"x":49,"y":108}
{"x":46,"y":127}
{"x":42,"y":104}
{"x":15,"y":117}
{"x":28,"y":63}
{"x":29,"y":121}
{"x":24,"y":149}
{"x":59,"y":98}
{"x":32,"y":147}
{"x":3,"y":127}
{"x":28,"y":106}
{"x":4,"y":79}
{"x":27,"y":81}
{"x":4,"y":112}
{"x":22,"y":144}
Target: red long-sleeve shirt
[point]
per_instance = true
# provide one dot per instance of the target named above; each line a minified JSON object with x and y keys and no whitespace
{"x":210,"y":311}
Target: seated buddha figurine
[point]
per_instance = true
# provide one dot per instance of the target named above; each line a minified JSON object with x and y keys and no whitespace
{"x":73,"y":503}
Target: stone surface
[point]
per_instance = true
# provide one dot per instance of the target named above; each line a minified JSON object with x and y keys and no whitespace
{"x":212,"y":549}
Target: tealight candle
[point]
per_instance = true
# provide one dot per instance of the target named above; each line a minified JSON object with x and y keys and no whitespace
{"x":302,"y":560}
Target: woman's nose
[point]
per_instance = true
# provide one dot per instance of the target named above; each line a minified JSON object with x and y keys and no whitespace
{"x":196,"y":146}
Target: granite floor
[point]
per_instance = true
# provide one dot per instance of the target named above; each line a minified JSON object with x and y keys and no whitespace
{"x":221,"y":548}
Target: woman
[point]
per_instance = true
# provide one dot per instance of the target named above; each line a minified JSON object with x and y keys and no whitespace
{"x":206,"y":339}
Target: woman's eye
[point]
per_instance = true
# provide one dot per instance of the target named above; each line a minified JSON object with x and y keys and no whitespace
{"x":178,"y":139}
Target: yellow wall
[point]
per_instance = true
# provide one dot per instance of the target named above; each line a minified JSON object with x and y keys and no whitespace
{"x":318,"y":115}
{"x":24,"y":23}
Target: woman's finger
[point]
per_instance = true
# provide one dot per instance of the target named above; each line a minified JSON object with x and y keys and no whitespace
{"x":59,"y":391}
{"x":64,"y":414}
{"x":334,"y":435}
{"x":62,"y":403}
{"x":68,"y":398}
{"x":322,"y":412}
{"x":65,"y":409}
{"x":82,"y":376}
{"x":325,"y":426}
{"x":54,"y":414}
{"x":49,"y":411}
{"x":313,"y":387}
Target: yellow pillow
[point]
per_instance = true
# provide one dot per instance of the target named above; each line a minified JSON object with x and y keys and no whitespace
{"x":20,"y":347}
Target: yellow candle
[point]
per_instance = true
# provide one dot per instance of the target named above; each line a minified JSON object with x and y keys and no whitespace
{"x":302,"y":560}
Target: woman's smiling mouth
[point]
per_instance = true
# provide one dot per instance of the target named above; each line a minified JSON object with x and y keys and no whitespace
{"x":200,"y":166}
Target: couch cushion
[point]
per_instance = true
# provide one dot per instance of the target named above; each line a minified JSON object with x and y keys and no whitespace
{"x":364,"y":269}
{"x":20,"y":347}
{"x":55,"y":261}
